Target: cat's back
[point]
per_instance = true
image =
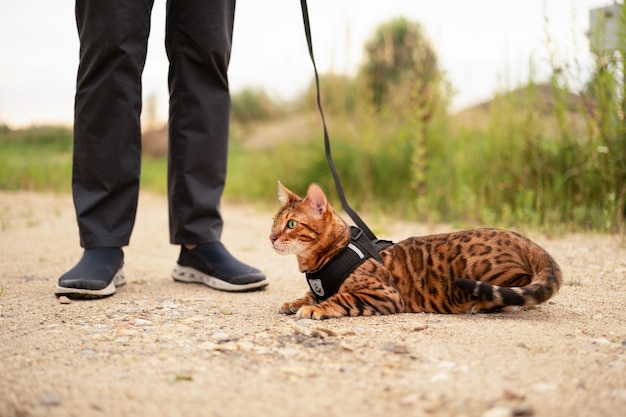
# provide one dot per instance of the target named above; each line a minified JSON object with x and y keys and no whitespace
{"x":443,"y":250}
{"x":472,"y":241}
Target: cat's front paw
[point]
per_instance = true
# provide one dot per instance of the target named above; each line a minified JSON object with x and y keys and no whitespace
{"x":316,"y":313}
{"x":308,"y":312}
{"x":290,"y":307}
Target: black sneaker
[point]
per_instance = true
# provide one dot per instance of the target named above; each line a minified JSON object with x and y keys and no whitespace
{"x":96,"y":275}
{"x":212,"y":265}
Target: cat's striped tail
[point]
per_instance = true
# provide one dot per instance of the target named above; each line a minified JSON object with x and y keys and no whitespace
{"x":542,"y":287}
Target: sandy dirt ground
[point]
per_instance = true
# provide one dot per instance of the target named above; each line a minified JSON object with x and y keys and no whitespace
{"x":161,"y":348}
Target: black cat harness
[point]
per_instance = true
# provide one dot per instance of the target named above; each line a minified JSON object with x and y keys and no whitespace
{"x":325,"y":282}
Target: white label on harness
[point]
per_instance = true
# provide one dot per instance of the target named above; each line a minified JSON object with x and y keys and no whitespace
{"x":316,"y":286}
{"x":356,"y":250}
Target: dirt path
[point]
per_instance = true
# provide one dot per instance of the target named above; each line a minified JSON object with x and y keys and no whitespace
{"x":160,"y":348}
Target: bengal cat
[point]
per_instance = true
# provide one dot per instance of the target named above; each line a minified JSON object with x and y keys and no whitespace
{"x":471,"y":271}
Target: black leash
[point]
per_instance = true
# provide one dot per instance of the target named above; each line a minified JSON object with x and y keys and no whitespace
{"x":353,"y":215}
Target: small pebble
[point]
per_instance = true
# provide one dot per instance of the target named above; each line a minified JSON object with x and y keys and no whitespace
{"x":142,"y":322}
{"x":431,"y":403}
{"x":327,"y":331}
{"x":513,"y":396}
{"x":228,"y":347}
{"x":446,"y":364}
{"x":523,"y":411}
{"x":346,"y":346}
{"x":409,"y":400}
{"x":301,"y":330}
{"x":87,"y":352}
{"x":288,"y":351}
{"x":170,"y":305}
{"x":226,"y":310}
{"x":617,"y":366}
{"x":398,"y":349}
{"x":306,"y":322}
{"x":619,"y":393}
{"x":319,"y":333}
{"x":220,"y":336}
{"x":64,"y":300}
{"x":49,"y":400}
{"x":300,"y":371}
{"x":246,"y":346}
{"x":545,"y":387}
{"x":208,"y":346}
{"x":498,"y":412}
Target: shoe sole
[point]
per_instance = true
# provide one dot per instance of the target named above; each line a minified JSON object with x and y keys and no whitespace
{"x":80,"y":293}
{"x":192,"y":275}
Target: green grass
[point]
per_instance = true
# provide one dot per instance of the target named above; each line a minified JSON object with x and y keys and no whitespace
{"x":514,"y":171}
{"x":154,"y":175}
{"x":40,"y":159}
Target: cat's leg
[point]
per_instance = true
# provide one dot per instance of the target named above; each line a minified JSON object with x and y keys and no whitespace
{"x":291,"y":307}
{"x":365,"y":303}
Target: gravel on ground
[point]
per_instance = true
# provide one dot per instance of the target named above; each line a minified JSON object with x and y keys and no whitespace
{"x":162,"y":348}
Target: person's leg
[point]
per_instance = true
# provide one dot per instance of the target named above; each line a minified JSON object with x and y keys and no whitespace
{"x":198,"y":44}
{"x":107,"y":133}
{"x":107,"y":139}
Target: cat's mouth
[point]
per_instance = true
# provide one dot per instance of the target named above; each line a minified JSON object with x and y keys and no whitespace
{"x":282,"y":249}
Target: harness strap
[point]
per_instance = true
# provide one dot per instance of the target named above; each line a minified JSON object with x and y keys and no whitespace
{"x":344,"y":203}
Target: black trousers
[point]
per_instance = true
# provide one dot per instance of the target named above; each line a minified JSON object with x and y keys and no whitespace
{"x":107,"y":133}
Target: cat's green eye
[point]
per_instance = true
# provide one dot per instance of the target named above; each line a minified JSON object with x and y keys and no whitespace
{"x":291,"y":224}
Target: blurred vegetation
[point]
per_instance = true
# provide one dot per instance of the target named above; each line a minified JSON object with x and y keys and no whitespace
{"x":538,"y":156}
{"x":253,"y":105}
{"x":36,"y":158}
{"x":39,"y":158}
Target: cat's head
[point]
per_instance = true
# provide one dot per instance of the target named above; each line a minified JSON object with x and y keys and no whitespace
{"x":307,"y":227}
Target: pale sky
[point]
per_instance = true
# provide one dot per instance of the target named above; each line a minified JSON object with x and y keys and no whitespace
{"x":482,"y":45}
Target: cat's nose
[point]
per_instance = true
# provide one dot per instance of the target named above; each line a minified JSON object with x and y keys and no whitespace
{"x":273,"y":238}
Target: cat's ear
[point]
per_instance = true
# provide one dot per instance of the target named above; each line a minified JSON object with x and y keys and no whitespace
{"x":317,"y":199}
{"x":285,"y":196}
